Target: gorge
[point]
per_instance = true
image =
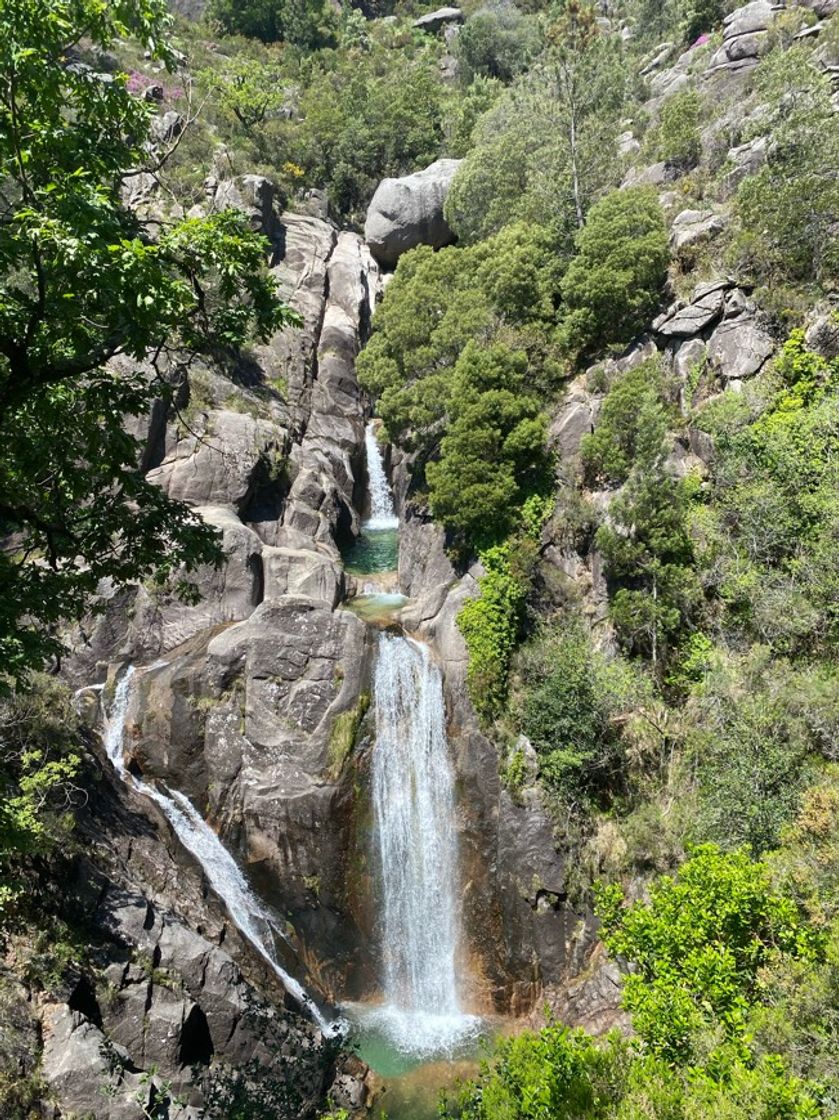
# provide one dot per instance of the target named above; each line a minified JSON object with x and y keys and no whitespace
{"x":419,"y":654}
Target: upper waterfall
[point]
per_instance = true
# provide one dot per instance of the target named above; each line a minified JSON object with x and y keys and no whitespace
{"x":416,"y":840}
{"x":223,"y":874}
{"x":382,"y":513}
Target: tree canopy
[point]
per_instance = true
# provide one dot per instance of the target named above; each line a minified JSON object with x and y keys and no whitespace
{"x":84,"y":282}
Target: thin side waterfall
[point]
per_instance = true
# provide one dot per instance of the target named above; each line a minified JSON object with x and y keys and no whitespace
{"x":223,"y":874}
{"x":382,"y":513}
{"x":416,"y":840}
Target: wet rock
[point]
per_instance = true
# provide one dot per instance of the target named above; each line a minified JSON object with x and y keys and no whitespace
{"x":407,"y":212}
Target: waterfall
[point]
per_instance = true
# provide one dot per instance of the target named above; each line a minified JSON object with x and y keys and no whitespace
{"x":223,"y":874}
{"x":382,"y":513}
{"x":416,"y":838}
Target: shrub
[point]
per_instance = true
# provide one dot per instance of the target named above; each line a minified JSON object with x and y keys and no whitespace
{"x":569,"y":694}
{"x":496,"y":42}
{"x":677,"y":136}
{"x":490,"y":627}
{"x":613,"y":285}
{"x":698,"y":946}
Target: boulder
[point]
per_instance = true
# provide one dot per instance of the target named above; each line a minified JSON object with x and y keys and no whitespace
{"x":743,"y":160}
{"x":744,"y":35}
{"x":435,"y":21}
{"x":254,"y":196}
{"x":823,"y":336}
{"x":221,"y":464}
{"x":692,"y":227}
{"x":653,"y":176}
{"x":571,"y":424}
{"x":705,"y":308}
{"x":167,"y":127}
{"x":407,"y":212}
{"x":688,"y":356}
{"x":739,"y":347}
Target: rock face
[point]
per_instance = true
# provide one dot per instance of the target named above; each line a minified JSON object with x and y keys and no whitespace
{"x":407,"y":212}
{"x":744,"y":35}
{"x":161,"y":1013}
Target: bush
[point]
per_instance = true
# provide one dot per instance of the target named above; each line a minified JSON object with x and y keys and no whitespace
{"x":496,"y":42}
{"x":698,"y":946}
{"x":490,"y":627}
{"x":677,"y":136}
{"x":613,"y":285}
{"x":632,"y":421}
{"x":569,"y":696}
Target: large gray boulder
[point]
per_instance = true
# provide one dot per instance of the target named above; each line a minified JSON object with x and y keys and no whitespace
{"x":408,"y":212}
{"x":435,"y":21}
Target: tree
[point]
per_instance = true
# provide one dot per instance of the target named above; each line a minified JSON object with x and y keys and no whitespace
{"x":613,"y":285}
{"x":496,"y":42}
{"x":677,"y":135}
{"x":788,"y":209}
{"x":493,"y":449}
{"x":698,"y":946}
{"x":308,"y":24}
{"x":544,"y":152}
{"x":83,"y":282}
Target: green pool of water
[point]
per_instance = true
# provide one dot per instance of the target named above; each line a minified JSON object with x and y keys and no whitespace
{"x":376,"y":550}
{"x":409,"y":1087}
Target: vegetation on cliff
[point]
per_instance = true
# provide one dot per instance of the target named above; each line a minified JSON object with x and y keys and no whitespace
{"x":681,"y":707}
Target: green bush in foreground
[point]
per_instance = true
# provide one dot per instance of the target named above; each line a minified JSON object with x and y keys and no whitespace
{"x":700,"y":950}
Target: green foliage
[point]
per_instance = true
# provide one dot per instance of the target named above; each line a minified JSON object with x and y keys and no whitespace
{"x":493,"y":448}
{"x":570,"y":694}
{"x":40,"y":743}
{"x":359,"y":125}
{"x":453,"y":361}
{"x":557,"y":1073}
{"x":544,"y":151}
{"x":787,"y":210}
{"x":677,"y":135}
{"x":767,"y":539}
{"x":496,"y":42}
{"x":308,"y":24}
{"x":613,"y":285}
{"x":700,"y":15}
{"x":490,"y":626}
{"x":698,"y":947}
{"x":631,"y":425}
{"x":83,"y":281}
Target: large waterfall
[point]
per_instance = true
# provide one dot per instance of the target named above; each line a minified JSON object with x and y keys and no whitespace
{"x":223,"y":874}
{"x":382,"y":513}
{"x":416,"y":840}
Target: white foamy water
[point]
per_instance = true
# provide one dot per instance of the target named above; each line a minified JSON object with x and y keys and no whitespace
{"x":416,"y":837}
{"x":382,"y":513}
{"x":223,"y":873}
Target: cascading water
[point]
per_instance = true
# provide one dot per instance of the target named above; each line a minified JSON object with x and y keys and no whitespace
{"x":416,"y":838}
{"x":382,"y":514}
{"x":223,"y":874}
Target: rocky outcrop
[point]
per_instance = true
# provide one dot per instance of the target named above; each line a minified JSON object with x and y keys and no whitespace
{"x":407,"y":212}
{"x":435,"y":21}
{"x":744,"y":35}
{"x":694,"y":227}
